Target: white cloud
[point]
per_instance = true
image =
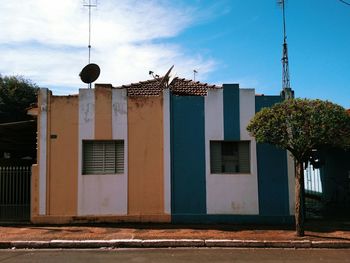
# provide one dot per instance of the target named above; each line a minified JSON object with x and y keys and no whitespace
{"x":46,"y":41}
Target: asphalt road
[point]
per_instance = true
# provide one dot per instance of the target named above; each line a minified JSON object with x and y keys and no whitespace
{"x":176,"y":255}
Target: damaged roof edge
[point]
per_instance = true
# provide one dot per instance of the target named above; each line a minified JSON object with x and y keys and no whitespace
{"x":178,"y":86}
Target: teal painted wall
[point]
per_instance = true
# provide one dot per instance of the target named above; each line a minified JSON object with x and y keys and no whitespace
{"x":272,"y":171}
{"x":335,"y":177}
{"x":233,"y":219}
{"x":188,"y":193}
{"x":231,"y":112}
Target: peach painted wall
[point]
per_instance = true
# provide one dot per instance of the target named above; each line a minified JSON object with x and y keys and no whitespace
{"x":145,"y":169}
{"x":34,"y":191}
{"x":63,"y":155}
{"x":103,"y":113}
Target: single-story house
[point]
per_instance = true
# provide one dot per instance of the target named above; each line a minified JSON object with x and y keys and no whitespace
{"x":148,"y":152}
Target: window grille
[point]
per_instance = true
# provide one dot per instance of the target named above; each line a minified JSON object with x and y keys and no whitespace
{"x":228,"y":157}
{"x":103,"y":157}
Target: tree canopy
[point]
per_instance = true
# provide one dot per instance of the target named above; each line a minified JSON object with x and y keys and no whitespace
{"x":301,"y":125}
{"x":16,"y":95}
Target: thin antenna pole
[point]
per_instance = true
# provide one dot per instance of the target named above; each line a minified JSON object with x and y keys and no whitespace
{"x":285,"y":63}
{"x":284,"y":23}
{"x":194,"y":74}
{"x":89,"y":46}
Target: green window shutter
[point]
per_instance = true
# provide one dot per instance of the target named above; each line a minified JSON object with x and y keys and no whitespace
{"x":244,"y":157}
{"x":120,"y":157}
{"x":109,"y":157}
{"x":103,"y":157}
{"x":227,"y":157}
{"x":87,"y":157}
{"x":215,"y":157}
{"x":98,"y":158}
{"x":92,"y":157}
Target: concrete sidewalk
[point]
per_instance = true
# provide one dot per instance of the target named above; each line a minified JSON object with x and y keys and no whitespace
{"x":318,"y":235}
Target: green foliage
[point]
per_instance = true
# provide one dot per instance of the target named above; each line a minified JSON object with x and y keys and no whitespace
{"x":16,"y":95}
{"x":300,"y":125}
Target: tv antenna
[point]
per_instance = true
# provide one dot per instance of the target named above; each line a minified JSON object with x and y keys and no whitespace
{"x":89,"y":5}
{"x":155,"y":76}
{"x":287,"y":92}
{"x":194,"y":74}
{"x":163,"y":80}
{"x":91,"y":71}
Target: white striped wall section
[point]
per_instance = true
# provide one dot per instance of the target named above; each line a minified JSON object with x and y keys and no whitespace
{"x":248,"y":184}
{"x":43,"y":150}
{"x":166,"y":152}
{"x":86,"y":132}
{"x":218,"y":196}
{"x":118,"y":184}
{"x":230,"y":193}
{"x":105,"y":194}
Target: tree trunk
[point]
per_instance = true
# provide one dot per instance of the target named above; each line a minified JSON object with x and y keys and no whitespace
{"x":299,"y":199}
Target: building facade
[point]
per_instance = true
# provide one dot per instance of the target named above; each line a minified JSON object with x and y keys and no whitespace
{"x":151,"y":153}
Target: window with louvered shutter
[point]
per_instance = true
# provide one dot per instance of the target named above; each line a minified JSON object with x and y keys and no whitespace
{"x":244,"y":157}
{"x":215,"y":157}
{"x":103,"y":157}
{"x":229,"y":157}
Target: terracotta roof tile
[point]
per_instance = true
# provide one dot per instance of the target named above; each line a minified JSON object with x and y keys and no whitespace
{"x":178,"y":86}
{"x":144,"y":88}
{"x":184,"y":87}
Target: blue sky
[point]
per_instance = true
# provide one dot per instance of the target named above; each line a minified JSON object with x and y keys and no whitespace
{"x":226,"y":41}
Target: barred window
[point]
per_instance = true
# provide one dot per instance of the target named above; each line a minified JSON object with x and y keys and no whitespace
{"x":103,"y":157}
{"x":229,"y":157}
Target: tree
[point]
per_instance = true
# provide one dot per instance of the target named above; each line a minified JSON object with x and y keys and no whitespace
{"x":301,"y":126}
{"x":16,"y":95}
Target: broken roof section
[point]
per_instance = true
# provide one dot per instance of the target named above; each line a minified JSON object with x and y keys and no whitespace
{"x":178,"y":86}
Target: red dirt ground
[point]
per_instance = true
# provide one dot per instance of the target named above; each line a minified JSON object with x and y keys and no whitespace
{"x":314,"y":231}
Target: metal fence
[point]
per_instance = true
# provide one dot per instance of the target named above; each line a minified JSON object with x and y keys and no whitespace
{"x":312,"y":181}
{"x":15,"y":193}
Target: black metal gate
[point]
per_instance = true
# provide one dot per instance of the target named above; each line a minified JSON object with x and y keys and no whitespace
{"x":313,"y":192}
{"x":15,"y":193}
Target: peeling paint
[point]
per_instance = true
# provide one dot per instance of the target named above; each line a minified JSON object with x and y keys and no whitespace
{"x":237,"y":207}
{"x":119,"y":108}
{"x":88,"y":112}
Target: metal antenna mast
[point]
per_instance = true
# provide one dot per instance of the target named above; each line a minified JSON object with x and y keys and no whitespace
{"x":287,"y":92}
{"x":89,"y":6}
{"x":91,"y":71}
{"x":194,"y":74}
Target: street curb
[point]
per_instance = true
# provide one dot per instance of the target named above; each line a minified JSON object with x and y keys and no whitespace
{"x":170,"y":243}
{"x":259,"y":244}
{"x":163,"y":243}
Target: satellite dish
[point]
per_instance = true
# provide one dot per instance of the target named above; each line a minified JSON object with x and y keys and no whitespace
{"x":166,"y":76}
{"x":90,"y":73}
